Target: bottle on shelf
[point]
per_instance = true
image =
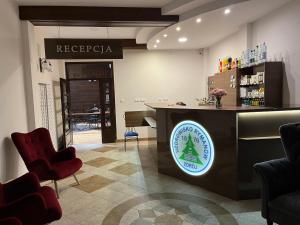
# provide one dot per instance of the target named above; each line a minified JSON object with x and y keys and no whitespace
{"x":220,"y":66}
{"x":257,"y":50}
{"x":264,"y":52}
{"x":229,"y":65}
{"x":248,"y":57}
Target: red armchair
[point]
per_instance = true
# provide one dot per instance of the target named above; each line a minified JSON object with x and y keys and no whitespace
{"x":10,"y":221}
{"x":40,"y":157}
{"x":24,"y":201}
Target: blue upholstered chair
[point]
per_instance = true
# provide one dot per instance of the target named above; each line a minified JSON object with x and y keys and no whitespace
{"x":130,"y":133}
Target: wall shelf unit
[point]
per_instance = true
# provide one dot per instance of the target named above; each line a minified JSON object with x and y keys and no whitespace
{"x":258,"y":85}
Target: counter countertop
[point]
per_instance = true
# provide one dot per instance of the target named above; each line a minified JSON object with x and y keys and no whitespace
{"x":213,"y":108}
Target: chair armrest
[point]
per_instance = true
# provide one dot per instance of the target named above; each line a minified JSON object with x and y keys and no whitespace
{"x":65,"y":154}
{"x":26,"y":207}
{"x":278,"y":177}
{"x":21,"y":186}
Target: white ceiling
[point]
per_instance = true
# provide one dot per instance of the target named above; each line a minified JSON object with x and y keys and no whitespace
{"x":178,"y":7}
{"x":215,"y":25}
{"x":107,"y":3}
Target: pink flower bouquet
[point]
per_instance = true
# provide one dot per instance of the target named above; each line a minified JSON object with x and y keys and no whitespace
{"x":218,"y":93}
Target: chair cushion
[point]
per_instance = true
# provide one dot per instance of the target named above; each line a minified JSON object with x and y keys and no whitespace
{"x":66,"y":168}
{"x":131,"y":134}
{"x":286,"y":208}
{"x":54,"y":209}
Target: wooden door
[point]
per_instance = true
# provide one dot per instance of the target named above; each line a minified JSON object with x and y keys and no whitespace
{"x":102,"y":72}
{"x":58,"y":114}
{"x":108,"y":114}
{"x":65,"y":106}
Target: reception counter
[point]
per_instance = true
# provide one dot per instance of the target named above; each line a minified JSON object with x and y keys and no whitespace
{"x":216,"y":148}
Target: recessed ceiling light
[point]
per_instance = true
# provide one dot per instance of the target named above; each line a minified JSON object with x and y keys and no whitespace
{"x":198,"y":20}
{"x":155,"y":46}
{"x":165,"y":35}
{"x":178,"y":28}
{"x":227,"y":11}
{"x":182,"y":39}
{"x":157,"y":41}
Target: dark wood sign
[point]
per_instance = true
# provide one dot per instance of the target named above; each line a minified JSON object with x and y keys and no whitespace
{"x":83,"y":48}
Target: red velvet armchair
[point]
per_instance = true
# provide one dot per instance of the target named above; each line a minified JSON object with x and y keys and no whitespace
{"x":10,"y":221}
{"x":40,"y":157}
{"x":23,"y":201}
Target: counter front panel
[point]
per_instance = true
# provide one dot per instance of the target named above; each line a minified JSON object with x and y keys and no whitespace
{"x":240,"y":137}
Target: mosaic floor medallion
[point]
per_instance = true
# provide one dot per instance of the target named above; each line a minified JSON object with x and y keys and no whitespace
{"x":169,"y":209}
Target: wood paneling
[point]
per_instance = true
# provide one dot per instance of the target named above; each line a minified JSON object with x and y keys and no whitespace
{"x":221,"y":125}
{"x":88,"y":70}
{"x":136,"y":118}
{"x":222,"y":80}
{"x":95,"y":16}
{"x":84,"y":95}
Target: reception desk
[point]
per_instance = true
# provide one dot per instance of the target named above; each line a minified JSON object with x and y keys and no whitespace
{"x":229,"y":141}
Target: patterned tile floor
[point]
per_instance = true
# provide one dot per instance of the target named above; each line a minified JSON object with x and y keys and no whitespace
{"x":127,"y":190}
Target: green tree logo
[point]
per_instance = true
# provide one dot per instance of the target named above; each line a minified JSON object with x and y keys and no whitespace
{"x":189,"y":153}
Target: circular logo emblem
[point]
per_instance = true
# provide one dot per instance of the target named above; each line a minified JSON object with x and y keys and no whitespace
{"x":192,"y":148}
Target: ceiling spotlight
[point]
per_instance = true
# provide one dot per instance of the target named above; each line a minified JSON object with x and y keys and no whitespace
{"x":198,"y":20}
{"x":182,"y":39}
{"x":165,"y":35}
{"x":178,"y":28}
{"x":157,"y":41}
{"x":155,"y":46}
{"x":227,"y":11}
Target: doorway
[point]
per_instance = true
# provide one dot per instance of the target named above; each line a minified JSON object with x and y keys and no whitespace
{"x":92,"y":102}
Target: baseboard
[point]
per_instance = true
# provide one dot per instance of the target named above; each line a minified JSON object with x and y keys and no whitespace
{"x":140,"y":139}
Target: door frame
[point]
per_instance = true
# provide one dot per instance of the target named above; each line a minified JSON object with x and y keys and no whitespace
{"x":101,"y":80}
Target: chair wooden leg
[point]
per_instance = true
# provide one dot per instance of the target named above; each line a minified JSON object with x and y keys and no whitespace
{"x":138,"y":143}
{"x":77,"y":181}
{"x":56,"y":188}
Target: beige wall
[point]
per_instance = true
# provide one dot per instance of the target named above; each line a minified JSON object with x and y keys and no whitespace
{"x":34,"y":49}
{"x":230,"y":46}
{"x":281,"y":31}
{"x":154,"y":76}
{"x":13,"y":115}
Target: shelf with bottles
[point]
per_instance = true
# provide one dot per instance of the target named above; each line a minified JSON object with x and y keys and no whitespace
{"x":252,"y":57}
{"x":227,"y":64}
{"x":253,"y":102}
{"x":252,"y":92}
{"x":257,"y":79}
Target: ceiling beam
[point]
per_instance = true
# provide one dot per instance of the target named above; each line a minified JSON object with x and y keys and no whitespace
{"x":131,"y":44}
{"x":95,"y":16}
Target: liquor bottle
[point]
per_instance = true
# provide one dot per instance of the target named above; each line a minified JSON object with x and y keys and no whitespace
{"x":234,"y":65}
{"x":264,"y":52}
{"x":229,"y":65}
{"x":252,"y":60}
{"x":257,"y":55}
{"x":220,"y":66}
{"x":248,"y":55}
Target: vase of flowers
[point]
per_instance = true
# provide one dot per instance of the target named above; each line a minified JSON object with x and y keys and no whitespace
{"x":218,"y":94}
